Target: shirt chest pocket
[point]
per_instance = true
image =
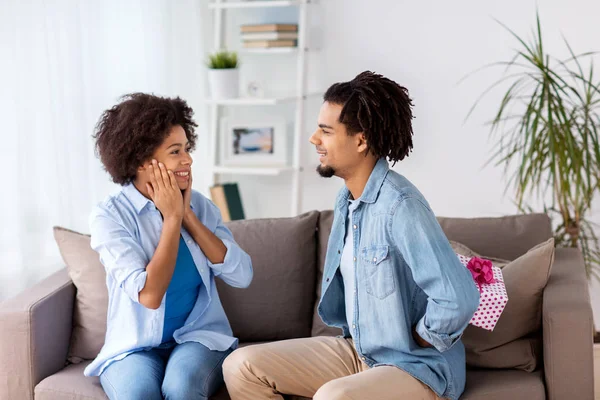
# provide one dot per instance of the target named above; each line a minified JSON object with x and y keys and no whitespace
{"x":376,"y":262}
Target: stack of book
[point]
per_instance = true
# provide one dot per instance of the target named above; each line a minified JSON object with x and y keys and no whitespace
{"x":269,"y":35}
{"x":226,"y":196}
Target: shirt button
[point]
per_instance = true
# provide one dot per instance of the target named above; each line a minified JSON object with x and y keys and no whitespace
{"x":202,"y":270}
{"x":189,"y":242}
{"x":363,"y":358}
{"x":355,"y":226}
{"x":374,"y":259}
{"x":353,"y":326}
{"x":339,"y":252}
{"x":354,"y":258}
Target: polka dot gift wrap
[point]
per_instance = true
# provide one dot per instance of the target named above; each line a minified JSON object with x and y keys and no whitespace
{"x":493,"y":299}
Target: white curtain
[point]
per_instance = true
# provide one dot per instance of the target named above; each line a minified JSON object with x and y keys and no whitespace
{"x":61,"y":64}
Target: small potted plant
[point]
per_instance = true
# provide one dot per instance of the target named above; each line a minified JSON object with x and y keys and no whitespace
{"x":223,"y":74}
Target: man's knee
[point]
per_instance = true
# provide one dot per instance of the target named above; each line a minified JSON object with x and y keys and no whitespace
{"x":239,"y":362}
{"x":332,"y":390}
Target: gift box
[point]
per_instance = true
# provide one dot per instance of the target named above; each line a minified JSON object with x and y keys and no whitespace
{"x":490,"y":283}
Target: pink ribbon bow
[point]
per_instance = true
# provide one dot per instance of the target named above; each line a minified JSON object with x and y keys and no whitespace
{"x":481,"y":270}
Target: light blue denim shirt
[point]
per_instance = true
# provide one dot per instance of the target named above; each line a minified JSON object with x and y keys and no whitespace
{"x":406,"y":275}
{"x":125,"y":229}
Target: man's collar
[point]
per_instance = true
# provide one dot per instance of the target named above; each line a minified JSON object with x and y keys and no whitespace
{"x":371,"y":191}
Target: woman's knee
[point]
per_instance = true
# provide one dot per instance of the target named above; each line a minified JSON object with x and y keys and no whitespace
{"x":183,"y":390}
{"x":187,"y":383}
{"x":119,"y":388}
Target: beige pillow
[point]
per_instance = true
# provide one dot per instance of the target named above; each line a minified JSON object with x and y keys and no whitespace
{"x":91,"y":300}
{"x":467,"y":252}
{"x":514,"y":342}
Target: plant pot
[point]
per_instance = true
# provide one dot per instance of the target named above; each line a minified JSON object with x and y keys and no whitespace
{"x":224,"y":83}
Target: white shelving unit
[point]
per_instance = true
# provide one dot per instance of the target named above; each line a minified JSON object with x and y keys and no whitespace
{"x":273,"y":50}
{"x":252,"y":171}
{"x":216,"y":4}
{"x":298,"y":97}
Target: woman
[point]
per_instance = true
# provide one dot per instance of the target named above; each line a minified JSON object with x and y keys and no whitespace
{"x":162,"y":245}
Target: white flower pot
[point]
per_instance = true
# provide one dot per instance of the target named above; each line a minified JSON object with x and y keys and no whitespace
{"x":224,"y":83}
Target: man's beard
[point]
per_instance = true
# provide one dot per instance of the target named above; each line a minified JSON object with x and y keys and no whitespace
{"x":325,"y":172}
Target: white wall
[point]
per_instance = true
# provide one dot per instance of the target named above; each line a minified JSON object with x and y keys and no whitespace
{"x":427,"y":46}
{"x":61,"y":64}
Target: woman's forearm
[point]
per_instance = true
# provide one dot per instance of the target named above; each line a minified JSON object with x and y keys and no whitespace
{"x":160,"y":269}
{"x":212,"y":247}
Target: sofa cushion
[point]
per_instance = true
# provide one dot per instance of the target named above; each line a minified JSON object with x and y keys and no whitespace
{"x":70,"y":384}
{"x":91,"y":299}
{"x":504,"y":384}
{"x":279,"y":302}
{"x":324,"y":229}
{"x":509,"y":345}
{"x":506,"y":237}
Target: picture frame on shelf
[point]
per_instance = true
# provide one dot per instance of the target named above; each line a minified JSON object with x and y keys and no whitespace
{"x":253,"y":142}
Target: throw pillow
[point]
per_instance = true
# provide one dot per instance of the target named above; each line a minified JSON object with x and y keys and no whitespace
{"x":513,"y":342}
{"x":91,"y":299}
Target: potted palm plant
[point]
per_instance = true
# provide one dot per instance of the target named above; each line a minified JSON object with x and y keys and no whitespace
{"x":223,"y":74}
{"x":546,"y":131}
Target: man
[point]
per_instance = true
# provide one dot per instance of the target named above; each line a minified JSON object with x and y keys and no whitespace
{"x":391,"y":282}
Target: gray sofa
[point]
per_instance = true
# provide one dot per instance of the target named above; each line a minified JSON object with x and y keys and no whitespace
{"x":288,"y":255}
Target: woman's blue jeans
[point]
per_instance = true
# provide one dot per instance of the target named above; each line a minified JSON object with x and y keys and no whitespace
{"x":180,"y":371}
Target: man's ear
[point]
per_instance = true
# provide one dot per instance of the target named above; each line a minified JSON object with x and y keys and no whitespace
{"x":361,"y":142}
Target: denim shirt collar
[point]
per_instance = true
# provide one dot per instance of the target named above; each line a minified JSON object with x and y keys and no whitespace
{"x":372,"y":188}
{"x":138,"y":200}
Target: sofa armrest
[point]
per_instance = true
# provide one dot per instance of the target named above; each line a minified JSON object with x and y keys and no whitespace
{"x":35,"y":330}
{"x":568,"y":329}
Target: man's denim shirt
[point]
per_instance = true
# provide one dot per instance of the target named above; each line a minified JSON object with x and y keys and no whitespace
{"x":407,"y":275}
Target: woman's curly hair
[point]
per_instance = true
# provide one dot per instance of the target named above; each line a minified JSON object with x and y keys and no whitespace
{"x":130,"y":132}
{"x":378,"y":107}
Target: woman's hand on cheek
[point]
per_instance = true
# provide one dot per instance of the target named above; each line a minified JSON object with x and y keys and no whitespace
{"x":164,"y":191}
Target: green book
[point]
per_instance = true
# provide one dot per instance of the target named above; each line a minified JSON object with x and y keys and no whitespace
{"x":234,"y":201}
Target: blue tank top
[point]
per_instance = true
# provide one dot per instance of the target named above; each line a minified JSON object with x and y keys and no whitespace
{"x":181,"y":293}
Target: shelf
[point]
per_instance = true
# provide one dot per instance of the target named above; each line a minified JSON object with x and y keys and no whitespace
{"x":272,"y":50}
{"x":251,"y":101}
{"x":256,"y":4}
{"x":257,"y":101}
{"x":272,"y":171}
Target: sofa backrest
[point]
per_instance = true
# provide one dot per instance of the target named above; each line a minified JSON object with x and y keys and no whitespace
{"x":288,"y":256}
{"x":506,"y":237}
